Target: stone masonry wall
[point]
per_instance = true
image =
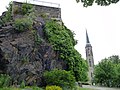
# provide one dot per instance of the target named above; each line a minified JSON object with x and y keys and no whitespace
{"x":52,"y":12}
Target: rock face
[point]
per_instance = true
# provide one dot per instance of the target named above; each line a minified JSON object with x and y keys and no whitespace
{"x":22,"y":59}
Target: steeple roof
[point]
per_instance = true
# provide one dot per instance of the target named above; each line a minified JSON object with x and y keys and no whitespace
{"x":87,"y":38}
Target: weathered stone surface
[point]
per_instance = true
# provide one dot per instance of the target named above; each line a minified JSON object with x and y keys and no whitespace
{"x":22,"y":59}
{"x":50,"y":12}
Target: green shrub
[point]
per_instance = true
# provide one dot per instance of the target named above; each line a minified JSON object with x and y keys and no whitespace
{"x":53,"y":88}
{"x":26,"y":8}
{"x":22,"y":85}
{"x":60,"y":78}
{"x":32,"y":88}
{"x":10,"y":88}
{"x":36,"y":88}
{"x":8,"y":14}
{"x":22,"y":24}
{"x":4,"y":80}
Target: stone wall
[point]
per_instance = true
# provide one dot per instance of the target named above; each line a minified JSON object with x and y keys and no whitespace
{"x":52,"y":12}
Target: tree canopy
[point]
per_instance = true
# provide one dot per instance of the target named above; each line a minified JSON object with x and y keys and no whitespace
{"x":99,"y":2}
{"x":107,"y":72}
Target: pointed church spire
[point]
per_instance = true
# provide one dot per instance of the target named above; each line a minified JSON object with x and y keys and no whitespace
{"x":89,"y":58}
{"x":87,"y":38}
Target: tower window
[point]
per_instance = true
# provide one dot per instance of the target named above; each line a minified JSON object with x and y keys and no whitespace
{"x":91,"y":74}
{"x":89,"y":54}
{"x":90,"y":63}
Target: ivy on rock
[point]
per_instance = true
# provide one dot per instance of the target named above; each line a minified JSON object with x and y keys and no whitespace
{"x":63,"y":42}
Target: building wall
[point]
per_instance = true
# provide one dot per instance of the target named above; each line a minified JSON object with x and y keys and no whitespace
{"x":90,"y":60}
{"x":52,"y":12}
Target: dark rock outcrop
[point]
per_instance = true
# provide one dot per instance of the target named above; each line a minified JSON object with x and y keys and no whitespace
{"x":22,"y":59}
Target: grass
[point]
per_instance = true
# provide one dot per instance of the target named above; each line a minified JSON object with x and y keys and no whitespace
{"x":10,"y":88}
{"x":26,"y":88}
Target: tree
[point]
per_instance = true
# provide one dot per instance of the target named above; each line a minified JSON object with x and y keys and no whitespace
{"x":107,"y":72}
{"x":117,"y":77}
{"x":114,"y":58}
{"x":104,"y":72}
{"x":99,"y":2}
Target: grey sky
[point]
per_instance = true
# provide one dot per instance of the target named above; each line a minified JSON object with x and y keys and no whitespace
{"x":102,"y":24}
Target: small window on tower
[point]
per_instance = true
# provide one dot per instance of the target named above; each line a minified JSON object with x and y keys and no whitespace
{"x":89,"y":54}
{"x":90,"y":63}
{"x":91,"y":74}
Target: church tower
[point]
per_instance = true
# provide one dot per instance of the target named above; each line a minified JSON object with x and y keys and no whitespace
{"x":89,"y":58}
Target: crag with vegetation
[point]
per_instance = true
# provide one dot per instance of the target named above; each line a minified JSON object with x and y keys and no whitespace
{"x":32,"y":46}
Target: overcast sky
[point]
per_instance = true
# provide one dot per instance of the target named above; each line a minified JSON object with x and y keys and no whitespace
{"x":102,"y":24}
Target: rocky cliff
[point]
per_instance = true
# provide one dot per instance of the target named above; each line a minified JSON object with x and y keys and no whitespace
{"x":22,"y":58}
{"x":32,"y":42}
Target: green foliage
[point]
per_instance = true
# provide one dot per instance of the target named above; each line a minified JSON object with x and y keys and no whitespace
{"x":8,"y":14}
{"x":53,"y":88}
{"x":99,"y":2}
{"x":107,"y":72}
{"x":60,"y":78}
{"x":37,"y":38}
{"x":26,"y":8}
{"x":16,"y":9}
{"x":4,"y":80}
{"x":22,"y":85}
{"x":114,"y":59}
{"x":36,"y":88}
{"x":62,"y":40}
{"x":9,"y":88}
{"x":25,"y":59}
{"x":116,"y":79}
{"x":26,"y":88}
{"x":43,"y":15}
{"x":22,"y":24}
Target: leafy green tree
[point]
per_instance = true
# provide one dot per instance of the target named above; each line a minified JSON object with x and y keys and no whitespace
{"x":107,"y":72}
{"x":115,"y":59}
{"x":118,"y":75}
{"x":98,"y":2}
{"x":104,"y":72}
